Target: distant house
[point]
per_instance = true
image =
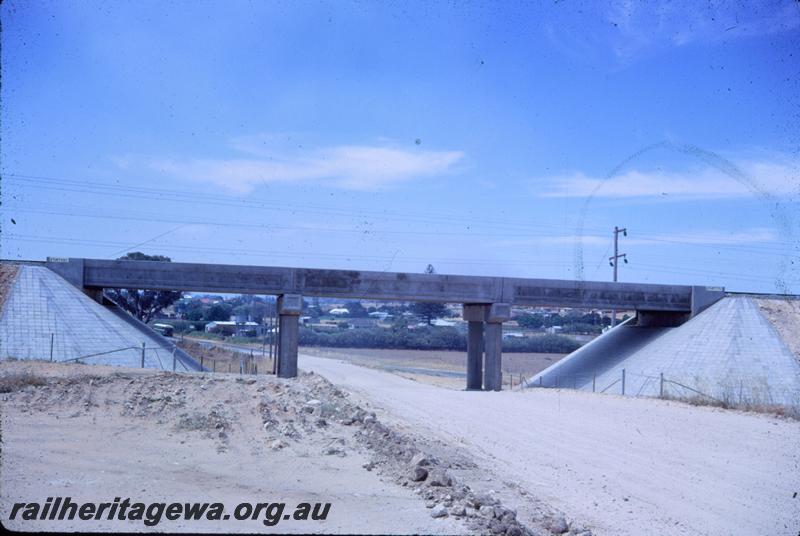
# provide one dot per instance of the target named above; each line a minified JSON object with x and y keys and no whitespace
{"x":362,"y":322}
{"x":233,"y":328}
{"x":513,"y":335}
{"x":380,"y":315}
{"x":339,"y":311}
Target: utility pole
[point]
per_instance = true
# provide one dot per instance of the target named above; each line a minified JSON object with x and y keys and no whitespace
{"x":614,"y":262}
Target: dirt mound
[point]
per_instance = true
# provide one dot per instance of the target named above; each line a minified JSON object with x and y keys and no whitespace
{"x":784,"y":315}
{"x":277,"y":414}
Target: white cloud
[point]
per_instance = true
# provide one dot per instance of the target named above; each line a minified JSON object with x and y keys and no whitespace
{"x":773,"y":178}
{"x":353,"y":167}
{"x":643,"y":26}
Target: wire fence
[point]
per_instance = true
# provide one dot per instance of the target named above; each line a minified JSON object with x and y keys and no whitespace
{"x":733,"y":393}
{"x":241,"y":362}
{"x":170,"y":360}
{"x":245,"y":362}
{"x":167,"y":356}
{"x":250,"y":359}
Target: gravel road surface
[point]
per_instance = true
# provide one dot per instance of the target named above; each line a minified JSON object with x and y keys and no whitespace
{"x":618,"y":465}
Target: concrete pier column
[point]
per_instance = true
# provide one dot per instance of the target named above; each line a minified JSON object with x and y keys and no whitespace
{"x":474,"y":356}
{"x":492,"y":374}
{"x":493,"y":369}
{"x":475,"y":315}
{"x":289,"y":308}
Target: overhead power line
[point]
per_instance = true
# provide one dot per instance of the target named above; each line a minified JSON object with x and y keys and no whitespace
{"x":158,"y":194}
{"x":161,"y":218}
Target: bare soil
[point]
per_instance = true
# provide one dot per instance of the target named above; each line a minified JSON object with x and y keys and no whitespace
{"x":94,"y":433}
{"x":441,"y":368}
{"x":784,"y":315}
{"x":422,"y":365}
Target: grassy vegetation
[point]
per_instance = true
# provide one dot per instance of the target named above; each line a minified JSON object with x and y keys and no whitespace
{"x":423,"y":338}
{"x":757,"y":397}
{"x":429,"y":338}
{"x":788,"y":411}
{"x":16,"y":381}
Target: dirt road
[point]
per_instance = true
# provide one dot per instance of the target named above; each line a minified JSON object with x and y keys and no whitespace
{"x":619,"y":465}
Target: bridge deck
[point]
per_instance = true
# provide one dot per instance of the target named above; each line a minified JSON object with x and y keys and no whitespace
{"x":97,"y":273}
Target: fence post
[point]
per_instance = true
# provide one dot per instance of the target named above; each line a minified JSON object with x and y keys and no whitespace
{"x":143,"y":355}
{"x":201,"y":363}
{"x":661,"y":388}
{"x":174,"y":348}
{"x":557,"y":378}
{"x":623,"y":381}
{"x":214,"y":365}
{"x":51,"y":346}
{"x":594,"y":380}
{"x":540,"y":381}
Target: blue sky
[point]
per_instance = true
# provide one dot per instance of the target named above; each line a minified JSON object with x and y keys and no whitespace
{"x":483,"y":138}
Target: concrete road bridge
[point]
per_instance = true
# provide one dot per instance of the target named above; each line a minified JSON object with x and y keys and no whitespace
{"x":486,"y":301}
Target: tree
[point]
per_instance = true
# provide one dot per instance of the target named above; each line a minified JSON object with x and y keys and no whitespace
{"x":530,"y":321}
{"x":356,"y":309}
{"x":241,"y":310}
{"x":218,"y":312}
{"x":429,"y":311}
{"x":143,"y":304}
{"x":194,"y":315}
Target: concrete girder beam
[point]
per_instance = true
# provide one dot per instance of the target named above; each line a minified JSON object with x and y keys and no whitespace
{"x":156,"y":275}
